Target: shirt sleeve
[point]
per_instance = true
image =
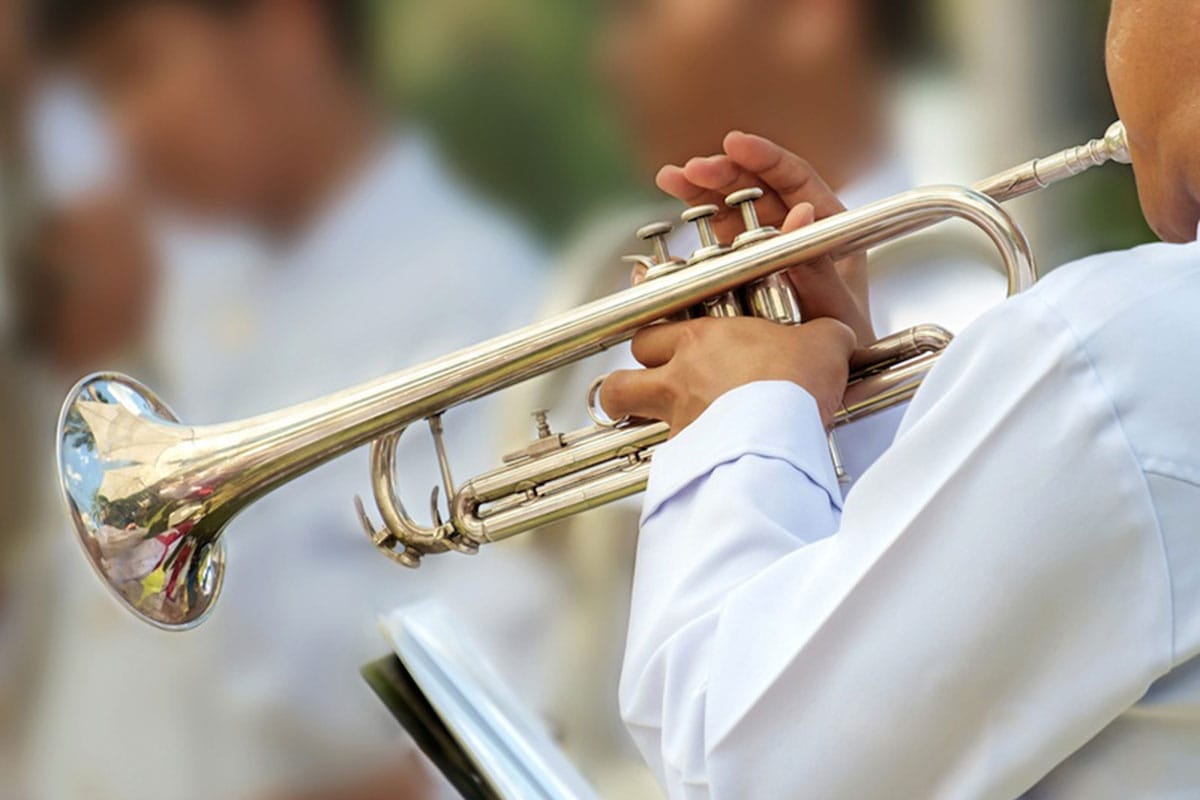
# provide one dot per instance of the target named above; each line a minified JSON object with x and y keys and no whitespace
{"x":994,"y":594}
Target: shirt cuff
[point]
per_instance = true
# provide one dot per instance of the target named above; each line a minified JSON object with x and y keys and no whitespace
{"x":770,"y":419}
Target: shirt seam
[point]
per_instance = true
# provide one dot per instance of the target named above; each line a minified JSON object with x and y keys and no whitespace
{"x":783,"y":455}
{"x":667,"y":481}
{"x":1164,"y":472}
{"x":1086,"y":354}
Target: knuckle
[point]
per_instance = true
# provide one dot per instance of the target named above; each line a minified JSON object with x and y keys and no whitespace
{"x":663,"y":389}
{"x":690,"y":334}
{"x":640,"y":344}
{"x":834,"y":330}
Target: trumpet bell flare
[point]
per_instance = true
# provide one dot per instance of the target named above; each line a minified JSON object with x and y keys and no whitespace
{"x":110,"y":438}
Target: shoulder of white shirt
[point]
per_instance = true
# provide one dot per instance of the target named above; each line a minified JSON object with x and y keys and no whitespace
{"x":1096,"y":287}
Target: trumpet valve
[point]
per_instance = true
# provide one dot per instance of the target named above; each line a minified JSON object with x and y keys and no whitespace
{"x":656,"y":234}
{"x":546,"y":440}
{"x":660,"y":262}
{"x":772,"y":297}
{"x":775,"y":298}
{"x":744,"y":201}
{"x":541,"y":419}
{"x":710,"y":245}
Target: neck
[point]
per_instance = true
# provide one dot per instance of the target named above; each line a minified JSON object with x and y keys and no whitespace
{"x":1191,"y":171}
{"x":324,"y":152}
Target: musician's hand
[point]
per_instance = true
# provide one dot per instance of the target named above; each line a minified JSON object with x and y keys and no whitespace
{"x":795,"y":197}
{"x":691,"y":364}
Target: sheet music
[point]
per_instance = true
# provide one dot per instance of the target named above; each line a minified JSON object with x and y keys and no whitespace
{"x":507,"y":742}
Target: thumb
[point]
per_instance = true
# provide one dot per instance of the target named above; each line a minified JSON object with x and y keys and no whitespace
{"x":636,"y":393}
{"x":801,"y":216}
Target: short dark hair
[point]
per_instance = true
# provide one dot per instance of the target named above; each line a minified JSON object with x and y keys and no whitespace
{"x":59,"y":24}
{"x":903,"y":28}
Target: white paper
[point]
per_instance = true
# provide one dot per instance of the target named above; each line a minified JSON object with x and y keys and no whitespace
{"x":507,"y":741}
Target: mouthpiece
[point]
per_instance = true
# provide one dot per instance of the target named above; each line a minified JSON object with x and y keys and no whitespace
{"x":1117,"y":144}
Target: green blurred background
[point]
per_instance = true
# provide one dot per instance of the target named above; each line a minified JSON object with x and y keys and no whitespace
{"x":507,"y":91}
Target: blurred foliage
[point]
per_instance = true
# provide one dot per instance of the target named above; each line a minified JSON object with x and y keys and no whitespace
{"x":507,"y":90}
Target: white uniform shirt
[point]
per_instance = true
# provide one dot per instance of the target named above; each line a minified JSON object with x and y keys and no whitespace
{"x":1008,"y":603}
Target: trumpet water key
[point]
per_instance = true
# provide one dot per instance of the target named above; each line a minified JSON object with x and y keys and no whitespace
{"x":150,"y":497}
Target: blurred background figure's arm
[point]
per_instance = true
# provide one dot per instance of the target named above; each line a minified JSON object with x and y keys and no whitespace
{"x":89,"y":281}
{"x":89,"y":276}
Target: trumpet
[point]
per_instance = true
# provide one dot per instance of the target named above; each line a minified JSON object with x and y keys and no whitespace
{"x":150,"y":497}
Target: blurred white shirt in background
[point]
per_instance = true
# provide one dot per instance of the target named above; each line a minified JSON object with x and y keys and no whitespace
{"x":405,"y":266}
{"x":70,"y":150}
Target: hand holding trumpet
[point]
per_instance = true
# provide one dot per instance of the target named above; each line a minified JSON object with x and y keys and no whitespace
{"x":690,"y":364}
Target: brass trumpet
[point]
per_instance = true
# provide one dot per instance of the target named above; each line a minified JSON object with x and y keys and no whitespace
{"x":150,"y":497}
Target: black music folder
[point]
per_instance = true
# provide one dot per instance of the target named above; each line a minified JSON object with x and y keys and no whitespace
{"x":487,"y":744}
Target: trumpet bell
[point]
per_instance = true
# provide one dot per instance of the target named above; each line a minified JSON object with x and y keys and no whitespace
{"x":115,"y":437}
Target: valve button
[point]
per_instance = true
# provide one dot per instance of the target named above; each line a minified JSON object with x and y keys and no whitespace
{"x":744,"y":196}
{"x":697,"y":213}
{"x":744,"y":201}
{"x":655,"y":230}
{"x":710,"y":245}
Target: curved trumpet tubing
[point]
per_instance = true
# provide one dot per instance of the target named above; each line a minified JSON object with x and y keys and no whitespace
{"x":150,"y":497}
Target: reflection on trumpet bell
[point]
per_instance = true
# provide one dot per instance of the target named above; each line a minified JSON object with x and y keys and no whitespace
{"x":150,"y":497}
{"x":114,"y":436}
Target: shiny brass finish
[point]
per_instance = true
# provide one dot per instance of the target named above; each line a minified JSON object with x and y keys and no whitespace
{"x":150,"y":497}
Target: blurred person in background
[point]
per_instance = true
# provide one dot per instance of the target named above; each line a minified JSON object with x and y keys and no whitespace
{"x":260,"y":113}
{"x":77,"y":253}
{"x":823,"y":77}
{"x":76,"y":236}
